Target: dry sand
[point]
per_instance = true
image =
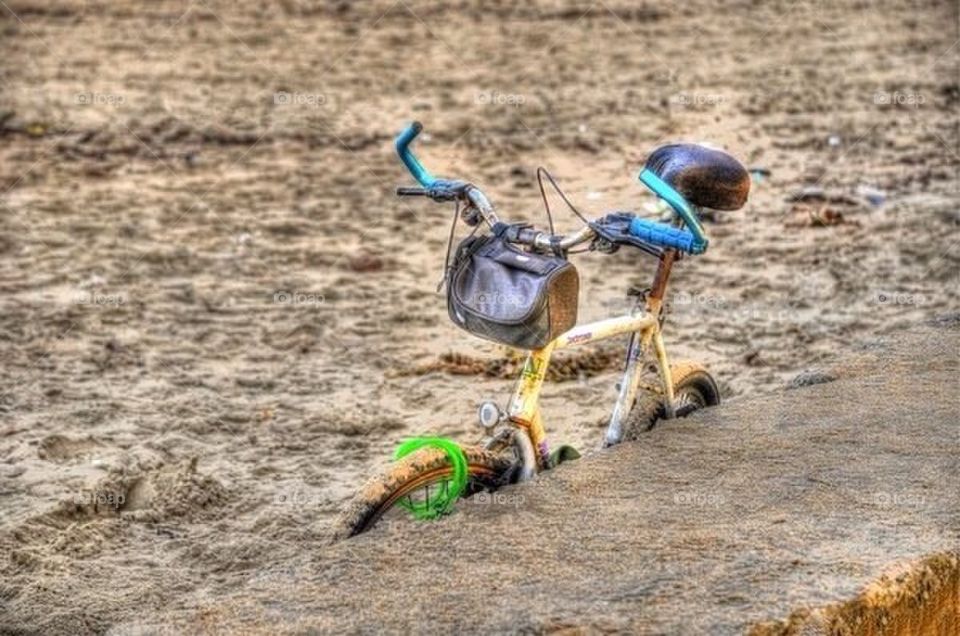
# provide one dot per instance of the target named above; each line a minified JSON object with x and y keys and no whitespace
{"x":209,"y":295}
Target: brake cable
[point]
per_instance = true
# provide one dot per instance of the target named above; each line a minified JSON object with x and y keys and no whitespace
{"x":542,"y":172}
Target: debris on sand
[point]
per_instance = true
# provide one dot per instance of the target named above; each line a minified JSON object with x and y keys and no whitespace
{"x":816,"y":194}
{"x":562,"y":368}
{"x":946,"y":320}
{"x":817,"y":216}
{"x":365,"y":263}
{"x":811,"y":377}
{"x":874,"y":196}
{"x":753,"y":358}
{"x":814,"y":207}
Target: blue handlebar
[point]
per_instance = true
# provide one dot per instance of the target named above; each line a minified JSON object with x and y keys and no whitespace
{"x":406,"y":155}
{"x":663,"y":235}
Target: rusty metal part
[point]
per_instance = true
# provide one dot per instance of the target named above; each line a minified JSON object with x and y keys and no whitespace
{"x":660,"y":279}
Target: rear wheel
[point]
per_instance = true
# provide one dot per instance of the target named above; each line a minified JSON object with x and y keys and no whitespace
{"x":693,"y":389}
{"x":415,"y":478}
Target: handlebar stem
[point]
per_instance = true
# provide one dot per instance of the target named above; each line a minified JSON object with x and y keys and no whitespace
{"x":545,"y":241}
{"x":480,"y":201}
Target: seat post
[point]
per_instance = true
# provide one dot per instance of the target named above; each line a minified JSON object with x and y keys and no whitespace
{"x":660,"y":278}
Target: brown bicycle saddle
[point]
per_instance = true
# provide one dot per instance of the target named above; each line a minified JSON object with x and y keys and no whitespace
{"x":705,"y":177}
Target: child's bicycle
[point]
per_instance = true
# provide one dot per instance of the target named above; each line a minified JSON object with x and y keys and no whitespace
{"x":430,"y":473}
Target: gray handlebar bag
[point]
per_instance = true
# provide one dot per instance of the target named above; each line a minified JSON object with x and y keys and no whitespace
{"x":501,"y":293}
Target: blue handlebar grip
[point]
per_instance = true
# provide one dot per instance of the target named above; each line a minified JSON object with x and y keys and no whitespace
{"x":403,"y":142}
{"x":663,"y":235}
{"x":676,"y":201}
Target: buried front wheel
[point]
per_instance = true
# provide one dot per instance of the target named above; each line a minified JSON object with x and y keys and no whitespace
{"x":412,"y":481}
{"x":693,"y":389}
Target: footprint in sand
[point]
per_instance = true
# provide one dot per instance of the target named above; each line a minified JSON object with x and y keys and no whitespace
{"x":62,"y":450}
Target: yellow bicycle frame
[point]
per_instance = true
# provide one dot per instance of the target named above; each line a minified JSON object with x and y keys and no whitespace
{"x":644,"y":325}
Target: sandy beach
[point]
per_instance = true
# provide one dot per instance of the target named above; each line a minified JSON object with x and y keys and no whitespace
{"x":216,"y":319}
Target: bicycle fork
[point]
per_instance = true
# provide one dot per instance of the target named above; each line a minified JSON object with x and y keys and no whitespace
{"x":630,"y":382}
{"x":636,"y":352}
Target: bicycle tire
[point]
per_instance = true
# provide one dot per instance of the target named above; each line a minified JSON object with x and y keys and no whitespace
{"x":693,"y":389}
{"x":485,"y":471}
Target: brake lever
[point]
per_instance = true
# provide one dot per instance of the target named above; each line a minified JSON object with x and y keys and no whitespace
{"x":603,"y":245}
